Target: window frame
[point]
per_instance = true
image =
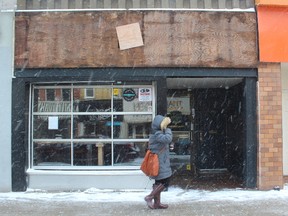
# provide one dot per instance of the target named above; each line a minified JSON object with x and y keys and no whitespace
{"x":70,"y":114}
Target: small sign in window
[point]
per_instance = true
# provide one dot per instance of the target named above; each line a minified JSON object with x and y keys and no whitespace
{"x":53,"y":123}
{"x":145,"y":94}
{"x":89,"y":93}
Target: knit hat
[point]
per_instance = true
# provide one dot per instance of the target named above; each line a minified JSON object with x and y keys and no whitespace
{"x":165,"y":122}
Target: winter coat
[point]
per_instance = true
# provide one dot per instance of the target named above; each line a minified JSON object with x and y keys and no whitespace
{"x":158,"y":140}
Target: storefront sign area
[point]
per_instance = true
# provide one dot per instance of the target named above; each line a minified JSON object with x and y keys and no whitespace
{"x":181,"y":104}
{"x":129,"y":94}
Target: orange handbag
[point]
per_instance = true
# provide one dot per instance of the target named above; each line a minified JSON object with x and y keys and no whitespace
{"x":150,"y":164}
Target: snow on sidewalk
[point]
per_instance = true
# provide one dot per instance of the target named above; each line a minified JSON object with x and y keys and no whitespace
{"x":97,"y":195}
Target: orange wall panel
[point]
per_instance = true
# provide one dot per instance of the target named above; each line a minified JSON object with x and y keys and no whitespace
{"x":273,"y":33}
{"x":271,"y":2}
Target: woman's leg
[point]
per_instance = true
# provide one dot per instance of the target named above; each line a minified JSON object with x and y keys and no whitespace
{"x":163,"y":183}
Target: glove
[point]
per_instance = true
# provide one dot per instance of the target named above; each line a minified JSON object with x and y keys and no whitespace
{"x":165,"y":122}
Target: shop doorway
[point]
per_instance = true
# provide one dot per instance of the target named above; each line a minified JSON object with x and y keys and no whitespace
{"x":207,"y":123}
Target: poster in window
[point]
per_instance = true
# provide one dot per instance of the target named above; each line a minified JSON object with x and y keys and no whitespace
{"x":145,"y":94}
{"x":53,"y":123}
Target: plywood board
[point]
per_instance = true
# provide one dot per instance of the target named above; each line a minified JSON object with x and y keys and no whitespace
{"x":170,"y":38}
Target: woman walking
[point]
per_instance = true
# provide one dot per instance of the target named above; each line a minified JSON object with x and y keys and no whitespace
{"x":159,"y":141}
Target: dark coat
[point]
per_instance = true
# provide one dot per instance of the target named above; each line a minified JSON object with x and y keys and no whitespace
{"x":158,"y":140}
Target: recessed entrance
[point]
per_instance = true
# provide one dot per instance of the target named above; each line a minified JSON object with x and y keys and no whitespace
{"x":207,"y":122}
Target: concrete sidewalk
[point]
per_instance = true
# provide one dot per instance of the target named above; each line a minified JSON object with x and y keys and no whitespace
{"x":263,"y":207}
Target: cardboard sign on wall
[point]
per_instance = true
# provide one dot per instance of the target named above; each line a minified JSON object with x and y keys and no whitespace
{"x":129,"y":36}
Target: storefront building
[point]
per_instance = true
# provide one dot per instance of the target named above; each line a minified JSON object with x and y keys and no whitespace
{"x":88,"y":83}
{"x":273,"y":97}
{"x":7,"y":15}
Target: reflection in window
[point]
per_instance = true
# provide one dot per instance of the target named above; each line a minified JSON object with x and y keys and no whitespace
{"x":50,"y":94}
{"x":100,"y":102}
{"x":54,"y":154}
{"x":48,"y":128}
{"x":92,"y":126}
{"x":129,"y":154}
{"x":92,"y":154}
{"x":57,"y":100}
{"x":66,"y":94}
{"x":89,"y":93}
{"x":132,"y":100}
{"x":107,"y":125}
{"x":132,"y":127}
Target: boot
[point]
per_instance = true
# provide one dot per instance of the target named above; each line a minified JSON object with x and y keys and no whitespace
{"x":157,"y":200}
{"x":151,"y":196}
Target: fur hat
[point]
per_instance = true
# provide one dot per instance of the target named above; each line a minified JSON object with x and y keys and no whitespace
{"x":165,"y":122}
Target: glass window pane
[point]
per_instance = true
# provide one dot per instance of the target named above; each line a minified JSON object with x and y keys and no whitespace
{"x":132,"y":100}
{"x":89,"y":93}
{"x":59,"y":102}
{"x":93,"y":119}
{"x":92,"y":126}
{"x":132,"y":127}
{"x":66,"y":94}
{"x":92,"y":154}
{"x":101,"y":102}
{"x":50,"y":94}
{"x":129,"y":154}
{"x":52,"y":154}
{"x":51,"y":127}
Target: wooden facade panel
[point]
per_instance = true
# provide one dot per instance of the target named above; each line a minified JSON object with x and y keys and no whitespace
{"x":200,"y":39}
{"x":171,"y":39}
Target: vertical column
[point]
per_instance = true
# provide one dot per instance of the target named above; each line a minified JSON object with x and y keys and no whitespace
{"x":150,"y":3}
{"x":284,"y":78}
{"x":19,"y":135}
{"x":122,"y":3}
{"x":64,"y":4}
{"x":6,"y":71}
{"x":193,"y":4}
{"x":200,"y":4}
{"x":107,"y":4}
{"x":250,"y":133}
{"x":50,"y":4}
{"x":21,"y":4}
{"x":161,"y":96}
{"x":270,"y":160}
{"x":165,"y":3}
{"x":235,"y":4}
{"x":92,"y":4}
{"x":207,"y":4}
{"x":249,"y":4}
{"x":36,"y":4}
{"x":78,"y":4}
{"x":179,"y":4}
{"x":136,"y":3}
{"x":222,"y":4}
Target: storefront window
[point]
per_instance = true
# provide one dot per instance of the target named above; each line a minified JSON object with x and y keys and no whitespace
{"x":51,"y":100}
{"x":92,"y":99}
{"x":92,"y":154}
{"x":106,"y":126}
{"x":92,"y":126}
{"x":52,"y":154}
{"x":128,"y":153}
{"x":51,"y":127}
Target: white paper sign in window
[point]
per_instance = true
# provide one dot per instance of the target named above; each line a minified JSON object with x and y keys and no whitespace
{"x":53,"y":123}
{"x":145,"y":94}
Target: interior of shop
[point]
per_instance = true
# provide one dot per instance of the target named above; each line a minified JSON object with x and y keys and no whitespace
{"x":208,"y":137}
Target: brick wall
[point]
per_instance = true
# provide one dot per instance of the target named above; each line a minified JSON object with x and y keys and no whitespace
{"x":270,"y":168}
